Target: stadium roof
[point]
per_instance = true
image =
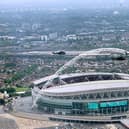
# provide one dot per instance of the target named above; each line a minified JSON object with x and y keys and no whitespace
{"x":41,"y":80}
{"x":87,"y":86}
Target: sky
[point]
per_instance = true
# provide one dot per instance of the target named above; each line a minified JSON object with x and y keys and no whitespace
{"x":63,"y":3}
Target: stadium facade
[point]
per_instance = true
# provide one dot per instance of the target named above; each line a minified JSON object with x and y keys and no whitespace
{"x":88,"y":96}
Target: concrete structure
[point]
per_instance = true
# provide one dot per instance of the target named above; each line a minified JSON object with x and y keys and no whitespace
{"x":83,"y":97}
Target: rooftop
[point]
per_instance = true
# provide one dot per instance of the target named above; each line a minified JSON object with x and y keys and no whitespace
{"x":88,"y":86}
{"x":42,"y":80}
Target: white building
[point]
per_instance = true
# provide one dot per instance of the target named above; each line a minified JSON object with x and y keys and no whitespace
{"x":71,"y":37}
{"x":44,"y":37}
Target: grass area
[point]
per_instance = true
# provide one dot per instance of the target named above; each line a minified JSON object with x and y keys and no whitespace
{"x":22,"y":89}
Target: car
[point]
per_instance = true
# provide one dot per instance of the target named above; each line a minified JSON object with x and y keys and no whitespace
{"x":59,"y":52}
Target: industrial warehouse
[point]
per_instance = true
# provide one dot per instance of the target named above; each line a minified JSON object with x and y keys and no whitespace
{"x":82,"y":95}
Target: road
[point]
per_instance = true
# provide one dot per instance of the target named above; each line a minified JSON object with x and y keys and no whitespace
{"x":70,"y":53}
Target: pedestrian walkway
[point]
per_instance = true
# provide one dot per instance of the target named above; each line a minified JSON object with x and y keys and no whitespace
{"x":6,"y":123}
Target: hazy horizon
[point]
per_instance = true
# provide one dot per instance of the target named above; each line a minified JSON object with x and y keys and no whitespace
{"x":63,"y":3}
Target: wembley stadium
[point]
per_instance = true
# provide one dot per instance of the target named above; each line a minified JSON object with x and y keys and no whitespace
{"x":93,"y":86}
